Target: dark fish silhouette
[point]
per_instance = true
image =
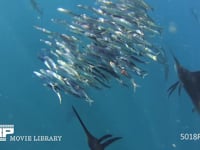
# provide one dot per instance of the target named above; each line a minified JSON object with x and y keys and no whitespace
{"x":93,"y":142}
{"x":190,"y":81}
{"x":36,"y":7}
{"x":195,"y":13}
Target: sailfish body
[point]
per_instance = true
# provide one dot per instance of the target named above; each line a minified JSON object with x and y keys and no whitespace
{"x":93,"y":142}
{"x":190,"y":81}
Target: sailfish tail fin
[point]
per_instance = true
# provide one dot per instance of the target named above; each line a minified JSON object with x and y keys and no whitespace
{"x":110,"y":141}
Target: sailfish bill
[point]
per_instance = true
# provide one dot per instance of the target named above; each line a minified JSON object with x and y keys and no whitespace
{"x":190,"y":81}
{"x":93,"y":142}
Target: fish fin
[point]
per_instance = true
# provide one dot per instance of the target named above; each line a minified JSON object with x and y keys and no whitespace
{"x":172,"y":88}
{"x":179,"y":88}
{"x":59,"y":97}
{"x":134,"y":84}
{"x":89,"y":100}
{"x":104,"y":137}
{"x":57,"y":92}
{"x":105,"y":144}
{"x":81,"y":122}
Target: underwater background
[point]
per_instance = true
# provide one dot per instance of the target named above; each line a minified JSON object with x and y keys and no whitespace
{"x":146,"y":119}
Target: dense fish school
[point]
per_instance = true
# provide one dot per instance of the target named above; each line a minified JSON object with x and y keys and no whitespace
{"x":111,"y":41}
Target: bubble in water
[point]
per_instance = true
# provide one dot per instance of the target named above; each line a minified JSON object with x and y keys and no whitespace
{"x":174,"y":145}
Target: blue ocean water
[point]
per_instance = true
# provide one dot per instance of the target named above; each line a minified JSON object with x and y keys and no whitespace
{"x":146,"y":119}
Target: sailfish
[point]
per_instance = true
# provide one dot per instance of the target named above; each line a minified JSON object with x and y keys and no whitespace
{"x":93,"y":142}
{"x":190,"y":81}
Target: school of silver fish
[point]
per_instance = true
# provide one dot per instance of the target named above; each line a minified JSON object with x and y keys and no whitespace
{"x":111,"y":41}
